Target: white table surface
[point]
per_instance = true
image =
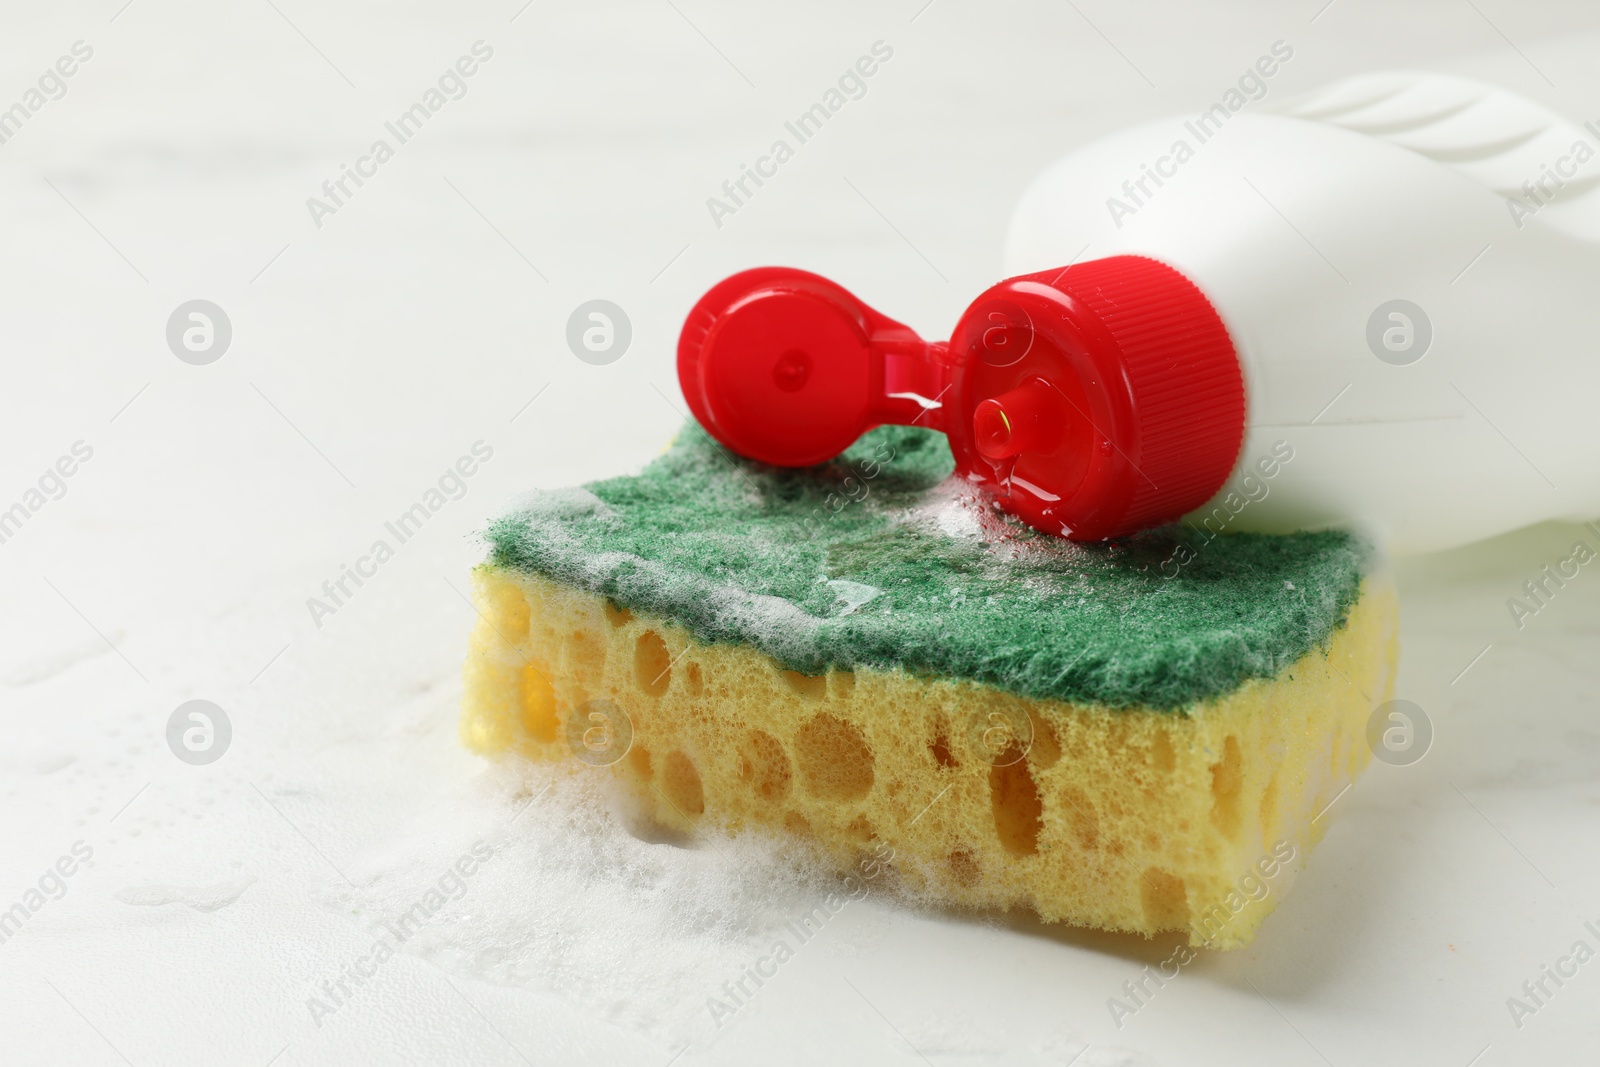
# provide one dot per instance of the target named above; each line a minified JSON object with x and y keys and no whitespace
{"x":370,"y":352}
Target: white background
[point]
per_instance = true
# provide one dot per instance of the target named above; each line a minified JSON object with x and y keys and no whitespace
{"x":369,"y":353}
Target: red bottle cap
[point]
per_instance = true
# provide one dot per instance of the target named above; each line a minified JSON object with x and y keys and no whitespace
{"x":1092,"y":402}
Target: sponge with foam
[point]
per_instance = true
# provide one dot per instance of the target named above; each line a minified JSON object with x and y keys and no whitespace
{"x":1137,"y":736}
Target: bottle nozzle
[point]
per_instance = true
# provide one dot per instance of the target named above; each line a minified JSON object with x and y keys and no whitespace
{"x":1029,"y":418}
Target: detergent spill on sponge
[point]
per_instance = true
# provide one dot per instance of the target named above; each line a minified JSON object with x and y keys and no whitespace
{"x":1118,"y":736}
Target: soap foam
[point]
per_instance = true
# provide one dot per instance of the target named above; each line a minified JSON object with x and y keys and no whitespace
{"x":959,"y":510}
{"x":581,"y":902}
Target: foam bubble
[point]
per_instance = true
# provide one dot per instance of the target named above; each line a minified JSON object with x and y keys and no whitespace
{"x":852,"y":595}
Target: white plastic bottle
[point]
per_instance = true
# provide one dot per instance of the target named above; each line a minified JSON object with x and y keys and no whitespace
{"x":1408,"y":265}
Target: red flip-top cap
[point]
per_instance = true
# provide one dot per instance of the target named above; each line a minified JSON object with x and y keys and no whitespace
{"x":788,"y":368}
{"x":1092,"y":401}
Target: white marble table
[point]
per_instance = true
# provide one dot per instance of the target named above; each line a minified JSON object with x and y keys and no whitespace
{"x":426,"y":313}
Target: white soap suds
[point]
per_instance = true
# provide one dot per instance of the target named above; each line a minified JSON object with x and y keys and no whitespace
{"x":578,"y":900}
{"x":572,"y":502}
{"x":761,"y":615}
{"x":958,"y":510}
{"x":762,"y":618}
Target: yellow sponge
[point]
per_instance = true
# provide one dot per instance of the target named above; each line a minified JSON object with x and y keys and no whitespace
{"x":1137,"y":820}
